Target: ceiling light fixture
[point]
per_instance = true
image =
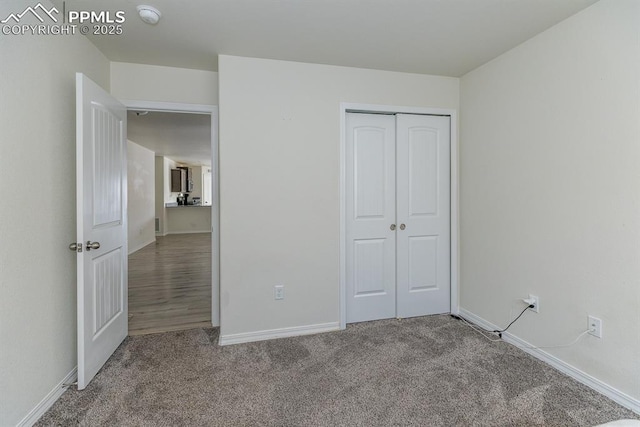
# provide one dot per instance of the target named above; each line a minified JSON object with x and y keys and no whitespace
{"x":149,"y":14}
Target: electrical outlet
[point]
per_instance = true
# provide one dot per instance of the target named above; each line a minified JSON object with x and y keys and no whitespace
{"x":279,"y":292}
{"x":535,"y":301}
{"x":595,"y":326}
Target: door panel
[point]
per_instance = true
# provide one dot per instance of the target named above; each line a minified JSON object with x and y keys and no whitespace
{"x":107,"y":286}
{"x":101,"y":217}
{"x":368,"y":267}
{"x":423,"y":171}
{"x":423,"y":263}
{"x":106,"y":161}
{"x":369,"y":169}
{"x":370,"y":210}
{"x":423,"y":247}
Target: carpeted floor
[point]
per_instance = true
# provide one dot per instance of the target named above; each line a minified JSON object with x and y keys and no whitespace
{"x":428,"y":371}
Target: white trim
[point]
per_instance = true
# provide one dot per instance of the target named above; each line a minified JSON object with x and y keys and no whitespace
{"x":215,"y":220}
{"x":36,"y":413}
{"x":270,"y":334}
{"x":454,"y":207}
{"x":374,"y":108}
{"x":343,"y":220}
{"x":174,"y":107}
{"x":562,"y":366}
{"x":188,"y":232}
{"x":141,"y":245}
{"x":169,"y":107}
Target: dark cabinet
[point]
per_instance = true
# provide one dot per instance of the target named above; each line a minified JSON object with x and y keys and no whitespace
{"x":181,"y":180}
{"x":178,"y":181}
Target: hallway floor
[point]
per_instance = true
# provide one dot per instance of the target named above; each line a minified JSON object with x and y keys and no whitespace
{"x":170,"y":284}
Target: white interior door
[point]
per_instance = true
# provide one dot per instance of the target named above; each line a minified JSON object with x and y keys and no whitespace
{"x":370,"y":212}
{"x":101,"y":183}
{"x":423,"y":215}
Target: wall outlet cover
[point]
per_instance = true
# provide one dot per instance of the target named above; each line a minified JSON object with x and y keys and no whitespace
{"x":279,"y":292}
{"x":536,"y":302}
{"x":595,"y":326}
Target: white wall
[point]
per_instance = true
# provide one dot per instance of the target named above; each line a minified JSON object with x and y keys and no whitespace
{"x":159,"y":192}
{"x":38,"y":211}
{"x":279,"y":182}
{"x":141,"y":196}
{"x":165,"y":84}
{"x":550,"y":189}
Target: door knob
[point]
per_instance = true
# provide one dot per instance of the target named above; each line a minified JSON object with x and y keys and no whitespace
{"x":402,"y":226}
{"x":393,"y":227}
{"x":75,"y":247}
{"x":92,"y":245}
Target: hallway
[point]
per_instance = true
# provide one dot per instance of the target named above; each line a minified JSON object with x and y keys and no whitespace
{"x":170,"y":284}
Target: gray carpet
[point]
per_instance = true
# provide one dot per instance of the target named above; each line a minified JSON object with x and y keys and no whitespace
{"x":428,"y":371}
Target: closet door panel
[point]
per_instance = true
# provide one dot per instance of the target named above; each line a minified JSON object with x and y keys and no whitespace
{"x":370,"y":211}
{"x":423,"y":215}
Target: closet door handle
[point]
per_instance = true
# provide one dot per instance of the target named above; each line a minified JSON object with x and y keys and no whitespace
{"x":402,"y":226}
{"x":393,"y":227}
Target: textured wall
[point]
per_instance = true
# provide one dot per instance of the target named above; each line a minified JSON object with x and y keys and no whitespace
{"x":550,"y":189}
{"x":141,"y":196}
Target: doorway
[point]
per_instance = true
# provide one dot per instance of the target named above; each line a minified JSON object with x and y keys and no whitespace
{"x":398,"y":230}
{"x":174,"y":282}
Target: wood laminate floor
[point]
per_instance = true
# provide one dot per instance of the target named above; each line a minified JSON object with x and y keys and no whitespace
{"x":170,"y":284}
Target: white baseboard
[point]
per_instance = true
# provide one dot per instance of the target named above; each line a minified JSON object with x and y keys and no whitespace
{"x":562,"y":366}
{"x":141,"y":245}
{"x":32,"y":417}
{"x":278,"y":333}
{"x":188,"y":232}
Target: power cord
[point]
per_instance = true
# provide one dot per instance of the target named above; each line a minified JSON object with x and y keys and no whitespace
{"x":500,"y":331}
{"x":478,"y":329}
{"x":556,"y":346}
{"x":482,"y":332}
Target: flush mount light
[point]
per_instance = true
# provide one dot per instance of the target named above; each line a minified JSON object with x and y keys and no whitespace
{"x":149,"y":14}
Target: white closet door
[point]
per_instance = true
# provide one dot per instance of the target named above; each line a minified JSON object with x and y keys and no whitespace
{"x":423,"y":215}
{"x":370,"y":213}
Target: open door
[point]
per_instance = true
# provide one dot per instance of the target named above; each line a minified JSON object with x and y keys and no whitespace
{"x":101,"y":202}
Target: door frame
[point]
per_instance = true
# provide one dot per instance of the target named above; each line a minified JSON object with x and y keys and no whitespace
{"x":346,"y":107}
{"x":212,"y":110}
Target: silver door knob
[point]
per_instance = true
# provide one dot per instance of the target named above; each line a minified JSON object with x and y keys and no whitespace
{"x":393,"y":227}
{"x":402,"y":226}
{"x":92,"y":245}
{"x":75,"y":247}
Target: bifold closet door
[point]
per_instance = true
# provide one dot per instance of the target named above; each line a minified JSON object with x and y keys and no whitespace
{"x":423,"y":215}
{"x":397,"y":216}
{"x":370,"y":213}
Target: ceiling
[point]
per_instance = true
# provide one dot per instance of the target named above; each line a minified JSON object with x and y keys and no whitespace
{"x":182,"y":137}
{"x":440,"y":37}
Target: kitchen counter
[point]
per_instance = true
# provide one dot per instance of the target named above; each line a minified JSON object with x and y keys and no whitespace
{"x":188,"y":218}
